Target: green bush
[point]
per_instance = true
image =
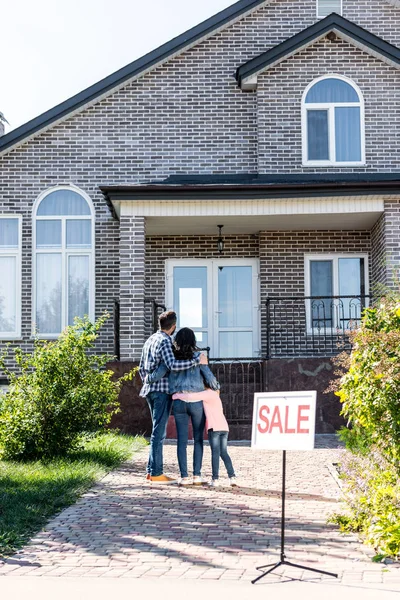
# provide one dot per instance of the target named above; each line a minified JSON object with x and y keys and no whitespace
{"x":62,"y":391}
{"x":372,"y":496}
{"x":370,"y":390}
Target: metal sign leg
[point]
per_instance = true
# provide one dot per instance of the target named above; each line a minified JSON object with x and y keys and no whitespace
{"x":272,"y":566}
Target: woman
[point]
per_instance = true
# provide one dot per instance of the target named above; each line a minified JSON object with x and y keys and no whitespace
{"x":191,"y":380}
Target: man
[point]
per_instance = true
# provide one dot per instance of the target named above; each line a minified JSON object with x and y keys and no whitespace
{"x":157,"y":349}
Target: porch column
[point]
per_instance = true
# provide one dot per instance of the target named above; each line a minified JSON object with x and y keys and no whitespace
{"x":132,"y":282}
{"x":391,"y":240}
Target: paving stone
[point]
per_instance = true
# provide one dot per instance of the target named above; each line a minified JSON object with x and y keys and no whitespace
{"x":128,"y":528}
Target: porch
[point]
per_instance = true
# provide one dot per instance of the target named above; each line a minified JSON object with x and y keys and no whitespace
{"x":276,"y":304}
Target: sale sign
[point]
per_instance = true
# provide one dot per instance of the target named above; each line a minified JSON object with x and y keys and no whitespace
{"x":284,"y":420}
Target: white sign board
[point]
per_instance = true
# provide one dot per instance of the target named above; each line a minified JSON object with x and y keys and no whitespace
{"x":284,"y":421}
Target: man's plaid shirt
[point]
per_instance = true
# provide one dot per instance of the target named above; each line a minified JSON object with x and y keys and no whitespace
{"x":156,"y":350}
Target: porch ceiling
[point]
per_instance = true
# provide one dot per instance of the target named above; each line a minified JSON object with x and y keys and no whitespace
{"x":190,"y":225}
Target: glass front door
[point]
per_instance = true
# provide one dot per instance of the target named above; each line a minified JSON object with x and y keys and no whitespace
{"x":218,"y":299}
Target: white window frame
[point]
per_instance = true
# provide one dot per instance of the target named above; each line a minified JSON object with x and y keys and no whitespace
{"x":319,"y":16}
{"x":15,"y":253}
{"x":330,"y":107}
{"x":65,"y":254}
{"x":212,"y":300}
{"x":334,"y":257}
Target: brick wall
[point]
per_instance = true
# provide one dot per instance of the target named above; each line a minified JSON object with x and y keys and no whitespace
{"x":379,"y":254}
{"x":189,"y":116}
{"x":392,"y":241}
{"x":282,"y":259}
{"x":281,"y":255}
{"x":280,"y":91}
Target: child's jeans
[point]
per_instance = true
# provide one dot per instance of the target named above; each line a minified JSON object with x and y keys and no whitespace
{"x":219,"y":449}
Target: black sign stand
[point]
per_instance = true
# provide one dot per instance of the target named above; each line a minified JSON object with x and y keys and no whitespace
{"x":283,"y":560}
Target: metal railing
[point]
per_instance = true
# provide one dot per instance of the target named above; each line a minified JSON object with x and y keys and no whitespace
{"x":240,"y":379}
{"x":117,"y":351}
{"x":312,"y":325}
{"x":153,"y":309}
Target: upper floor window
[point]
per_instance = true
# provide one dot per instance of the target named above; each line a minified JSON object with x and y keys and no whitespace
{"x":10,"y":280}
{"x":333,"y":123}
{"x":326,"y":7}
{"x":63,"y":259}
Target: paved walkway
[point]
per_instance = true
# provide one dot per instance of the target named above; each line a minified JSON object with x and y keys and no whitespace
{"x":127,"y":528}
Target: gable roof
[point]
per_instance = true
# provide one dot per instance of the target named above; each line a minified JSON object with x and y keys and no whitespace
{"x":246,"y":74}
{"x":133,"y":70}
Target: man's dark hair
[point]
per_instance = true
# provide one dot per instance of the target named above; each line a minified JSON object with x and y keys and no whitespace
{"x":167,"y":320}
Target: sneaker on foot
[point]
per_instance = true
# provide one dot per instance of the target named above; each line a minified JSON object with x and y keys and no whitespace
{"x":184,"y":481}
{"x":148,"y":476}
{"x":215,"y":483}
{"x":162,"y":479}
{"x":197,"y":480}
{"x":233,"y":482}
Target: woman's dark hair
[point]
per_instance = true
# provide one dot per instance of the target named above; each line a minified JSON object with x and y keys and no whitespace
{"x":185,"y":344}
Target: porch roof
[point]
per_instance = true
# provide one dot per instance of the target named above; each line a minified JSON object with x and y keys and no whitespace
{"x":251,"y":203}
{"x":252,"y":186}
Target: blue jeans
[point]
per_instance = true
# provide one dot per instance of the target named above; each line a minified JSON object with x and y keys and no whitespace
{"x":160,"y":409}
{"x":219,"y":449}
{"x":183,"y":411}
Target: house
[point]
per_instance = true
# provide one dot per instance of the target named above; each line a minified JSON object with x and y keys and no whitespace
{"x":247,"y":173}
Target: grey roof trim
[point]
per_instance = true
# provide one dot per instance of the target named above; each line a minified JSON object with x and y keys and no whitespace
{"x":350,"y":31}
{"x":134,"y":69}
{"x":258,"y":186}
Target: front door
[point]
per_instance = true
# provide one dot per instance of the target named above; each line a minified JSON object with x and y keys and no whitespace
{"x":218,"y":299}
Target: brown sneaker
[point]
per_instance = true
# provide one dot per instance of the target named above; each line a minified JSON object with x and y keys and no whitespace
{"x":148,"y":477}
{"x":162,"y":479}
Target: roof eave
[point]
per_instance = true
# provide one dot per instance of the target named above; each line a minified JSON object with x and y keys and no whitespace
{"x":247,"y":73}
{"x":167,"y":192}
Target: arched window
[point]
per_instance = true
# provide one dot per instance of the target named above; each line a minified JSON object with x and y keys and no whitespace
{"x":333,"y":123}
{"x":63,"y":239}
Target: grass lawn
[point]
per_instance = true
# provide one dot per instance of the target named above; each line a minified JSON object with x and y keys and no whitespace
{"x":32,"y":492}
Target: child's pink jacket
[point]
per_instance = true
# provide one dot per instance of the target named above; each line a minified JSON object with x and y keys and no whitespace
{"x":212,"y":407}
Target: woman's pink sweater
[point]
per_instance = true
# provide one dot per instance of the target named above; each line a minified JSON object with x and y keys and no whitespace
{"x":212,"y":407}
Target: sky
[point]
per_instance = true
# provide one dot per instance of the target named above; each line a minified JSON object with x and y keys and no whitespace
{"x":53,"y":49}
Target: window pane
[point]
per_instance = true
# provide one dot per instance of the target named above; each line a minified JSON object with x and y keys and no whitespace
{"x":63,"y":202}
{"x":8,"y":294}
{"x":190,"y":296}
{"x":202,"y":339}
{"x":78,"y":287}
{"x":326,"y":7}
{"x":235,"y":344}
{"x":235,"y":297}
{"x":48,"y":234}
{"x":321,"y":280}
{"x":351,"y":283}
{"x":348,"y":134}
{"x":48,"y":293}
{"x":79,"y":233}
{"x":318,"y":138}
{"x":8,"y":233}
{"x":331,"y":90}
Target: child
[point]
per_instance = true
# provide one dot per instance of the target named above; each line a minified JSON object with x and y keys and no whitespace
{"x":218,"y":429}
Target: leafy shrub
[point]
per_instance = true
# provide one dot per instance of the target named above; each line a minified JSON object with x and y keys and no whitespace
{"x":61,"y":392}
{"x":370,"y":390}
{"x":372,"y":496}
